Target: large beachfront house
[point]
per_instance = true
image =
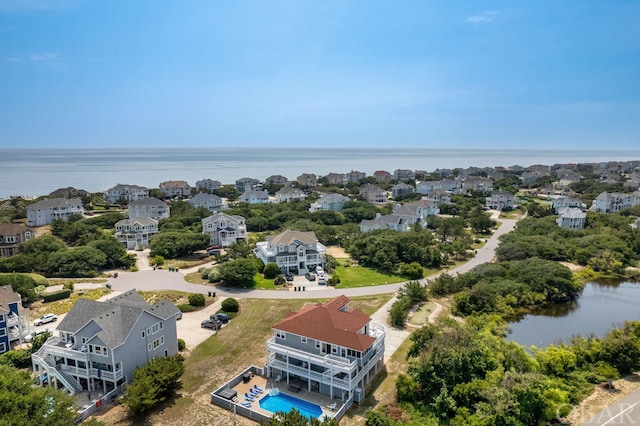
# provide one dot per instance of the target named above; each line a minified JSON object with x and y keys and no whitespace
{"x":98,"y":345}
{"x":211,"y":202}
{"x":12,"y":234}
{"x":125,"y":192}
{"x":224,"y":229}
{"x":500,"y":200}
{"x":332,"y":201}
{"x":149,"y":207}
{"x":46,"y":211}
{"x":294,"y":251}
{"x":14,"y":319}
{"x":175,"y":188}
{"x":327,"y":348}
{"x":136,"y":233}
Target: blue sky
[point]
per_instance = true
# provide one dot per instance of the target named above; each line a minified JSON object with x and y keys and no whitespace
{"x":549,"y":74}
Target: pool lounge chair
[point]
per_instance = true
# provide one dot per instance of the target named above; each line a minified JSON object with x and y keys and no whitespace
{"x":249,"y":398}
{"x":254,"y":394}
{"x":333,"y":406}
{"x":257,"y":389}
{"x":246,"y":404}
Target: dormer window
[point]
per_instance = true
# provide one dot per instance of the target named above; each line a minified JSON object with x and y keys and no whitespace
{"x":281,"y":334}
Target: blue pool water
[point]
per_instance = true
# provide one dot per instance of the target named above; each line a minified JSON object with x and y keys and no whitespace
{"x":285,"y":403}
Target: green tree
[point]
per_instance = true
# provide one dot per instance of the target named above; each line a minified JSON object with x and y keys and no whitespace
{"x":78,"y":262}
{"x":295,"y":418}
{"x":22,"y":284}
{"x":237,"y":273}
{"x":172,"y":245}
{"x":196,"y":300}
{"x":114,"y":251}
{"x":481,"y":222}
{"x":271,"y":269}
{"x":154,"y":383}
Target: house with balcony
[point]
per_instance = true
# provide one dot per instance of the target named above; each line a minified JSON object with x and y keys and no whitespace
{"x":382,"y":176}
{"x":610,"y":202}
{"x":427,"y":208}
{"x":560,"y":203}
{"x":355,"y":176}
{"x":137,"y":232}
{"x":224,"y":229}
{"x":500,"y":200}
{"x":328,"y":348}
{"x":208,"y":185}
{"x":125,"y":192}
{"x":427,"y":186}
{"x":336,"y":178}
{"x":276,"y":180}
{"x":293,"y":251}
{"x":571,"y":218}
{"x":69,"y":192}
{"x":307,"y":179}
{"x":288,"y":193}
{"x":477,"y":183}
{"x":98,"y":345}
{"x":211,"y":202}
{"x":388,"y":221}
{"x":175,"y":189}
{"x":253,"y":196}
{"x":46,"y":211}
{"x":403,"y":174}
{"x":148,"y":207}
{"x":373,"y":194}
{"x":438,"y":196}
{"x":14,"y":319}
{"x":12,"y":234}
{"x":401,"y":189}
{"x":247,"y":184}
{"x":332,"y":201}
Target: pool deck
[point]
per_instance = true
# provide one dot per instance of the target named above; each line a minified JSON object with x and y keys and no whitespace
{"x":266,"y":384}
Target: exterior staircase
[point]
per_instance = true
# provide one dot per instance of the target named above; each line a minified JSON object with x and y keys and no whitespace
{"x":66,"y":379}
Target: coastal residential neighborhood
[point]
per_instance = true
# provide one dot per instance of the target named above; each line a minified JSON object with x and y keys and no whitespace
{"x":314,"y":247}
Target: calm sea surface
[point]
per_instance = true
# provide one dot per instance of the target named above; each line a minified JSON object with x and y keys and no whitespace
{"x":30,"y":172}
{"x":600,"y":307}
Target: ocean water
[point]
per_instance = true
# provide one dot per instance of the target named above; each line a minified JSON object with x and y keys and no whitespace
{"x":34,"y":172}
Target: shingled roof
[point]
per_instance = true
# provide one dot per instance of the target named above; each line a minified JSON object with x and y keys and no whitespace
{"x":329,"y":323}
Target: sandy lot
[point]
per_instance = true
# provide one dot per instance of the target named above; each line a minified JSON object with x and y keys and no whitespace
{"x":603,"y":397}
{"x":337,"y":252}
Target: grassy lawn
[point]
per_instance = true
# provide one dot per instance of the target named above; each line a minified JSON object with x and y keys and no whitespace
{"x":421,"y":315}
{"x":63,"y":306}
{"x":360,"y":276}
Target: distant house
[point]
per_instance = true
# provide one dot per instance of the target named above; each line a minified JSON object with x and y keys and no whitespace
{"x":500,"y":200}
{"x":410,"y":214}
{"x":439,"y":197}
{"x":295,"y":251}
{"x":175,"y":188}
{"x":373,"y":194}
{"x":336,"y":178}
{"x":355,"y":176}
{"x":288,"y":193}
{"x":451,"y":185}
{"x":427,"y":208}
{"x":382,"y":176}
{"x":443,"y":172}
{"x":247,"y":184}
{"x":208,"y":185}
{"x":224,"y":229}
{"x":400,"y":189}
{"x":136,"y":233}
{"x":329,"y":348}
{"x":403,"y":174}
{"x":307,"y":179}
{"x":99,"y":345}
{"x":211,"y":202}
{"x":477,"y":183}
{"x":14,"y":319}
{"x":333,"y":202}
{"x":571,"y":218}
{"x":46,"y":211}
{"x":610,"y":202}
{"x":12,"y":234}
{"x":276,"y":180}
{"x":69,"y":192}
{"x":389,"y":221}
{"x":254,"y":197}
{"x":148,"y":207}
{"x":125,"y":192}
{"x":564,"y":202}
{"x":427,"y":186}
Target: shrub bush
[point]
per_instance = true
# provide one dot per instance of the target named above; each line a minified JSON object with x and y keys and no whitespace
{"x":68,"y":286}
{"x":181,"y":345}
{"x":213,"y":277}
{"x":230,"y":305}
{"x":279,"y":281}
{"x":186,"y":308}
{"x":204,"y":273}
{"x":196,"y":300}
{"x":18,"y":358}
{"x":271,"y":270}
{"x":260,"y":266}
{"x":57,"y":295}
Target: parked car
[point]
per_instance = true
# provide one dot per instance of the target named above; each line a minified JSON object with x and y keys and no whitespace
{"x":29,"y":337}
{"x":321,"y":280}
{"x":310,"y":276}
{"x":213,"y":250}
{"x":288,"y":276}
{"x":320,"y":274}
{"x":214,"y":325}
{"x":179,"y":316}
{"x":45,"y":319}
{"x":220,"y":316}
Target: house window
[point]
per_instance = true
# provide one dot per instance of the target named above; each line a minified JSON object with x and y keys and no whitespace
{"x":318,"y":345}
{"x":3,"y":347}
{"x":98,"y":350}
{"x":1,"y":317}
{"x":303,"y":339}
{"x":149,"y":347}
{"x":281,"y":334}
{"x":3,"y":332}
{"x":143,"y":334}
{"x":84,"y":339}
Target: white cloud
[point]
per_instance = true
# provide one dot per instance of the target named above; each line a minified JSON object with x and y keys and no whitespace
{"x":483,"y":17}
{"x":50,"y":60}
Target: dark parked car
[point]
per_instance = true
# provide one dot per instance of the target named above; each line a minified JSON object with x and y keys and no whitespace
{"x":310,"y":276}
{"x":214,"y":325}
{"x":220,"y":317}
{"x":288,"y":276}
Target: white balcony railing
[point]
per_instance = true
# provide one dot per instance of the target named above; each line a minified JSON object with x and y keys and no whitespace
{"x":328,"y":361}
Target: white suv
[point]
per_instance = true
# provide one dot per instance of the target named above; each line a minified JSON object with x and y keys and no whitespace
{"x":45,"y":319}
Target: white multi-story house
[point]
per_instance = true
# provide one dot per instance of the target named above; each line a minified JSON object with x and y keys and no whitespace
{"x":564,"y":202}
{"x":327,"y":348}
{"x":12,"y":234}
{"x":477,"y":183}
{"x":373,"y":194}
{"x":98,"y":345}
{"x":254,"y":197}
{"x":500,"y":200}
{"x":148,"y":207}
{"x":247,"y":184}
{"x":289,"y":193}
{"x":427,"y":207}
{"x":136,"y":233}
{"x":175,"y":188}
{"x":125,"y":192}
{"x":224,"y":229}
{"x":571,"y":218}
{"x":438,"y":196}
{"x":14,"y":319}
{"x":208,"y":184}
{"x":400,"y":189}
{"x":294,"y":251}
{"x":388,"y":221}
{"x":609,"y":202}
{"x":46,"y":211}
{"x":211,"y":202}
{"x":427,"y":186}
{"x":333,"y":202}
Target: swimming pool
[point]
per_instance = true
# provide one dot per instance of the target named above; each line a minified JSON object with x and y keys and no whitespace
{"x":285,"y":403}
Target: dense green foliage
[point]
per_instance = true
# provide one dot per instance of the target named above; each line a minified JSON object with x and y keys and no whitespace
{"x":196,"y":300}
{"x":237,"y":273}
{"x":56,"y":295}
{"x":413,"y":292}
{"x":22,"y":404}
{"x":171,"y":245}
{"x":154,"y":383}
{"x":22,"y":284}
{"x":230,"y":305}
{"x":270,"y":270}
{"x":295,"y":418}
